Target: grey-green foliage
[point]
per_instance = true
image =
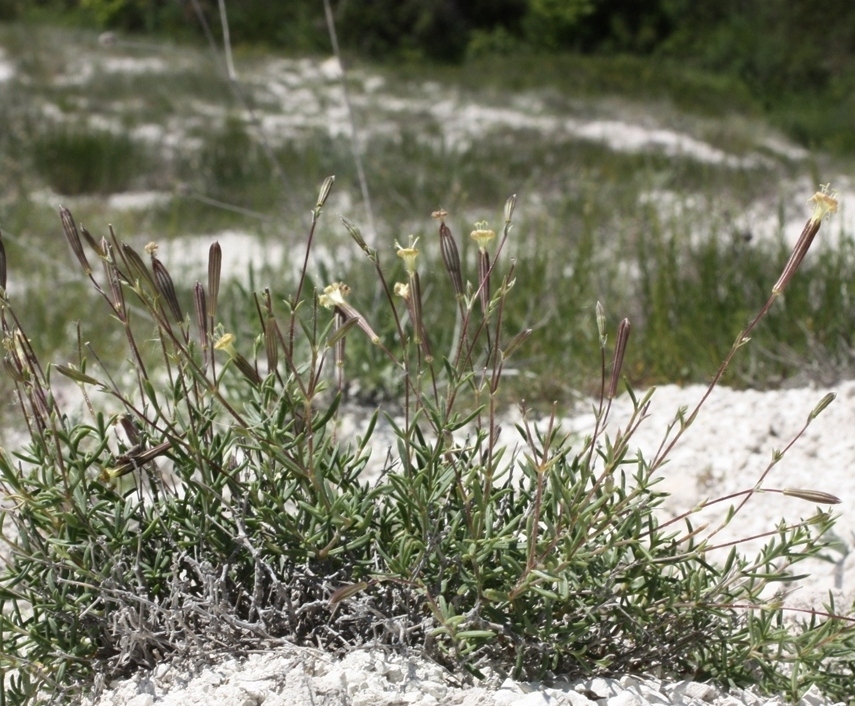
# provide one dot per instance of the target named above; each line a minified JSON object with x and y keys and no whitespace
{"x":228,"y":511}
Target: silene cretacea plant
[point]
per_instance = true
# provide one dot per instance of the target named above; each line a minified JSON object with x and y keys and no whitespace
{"x":230,"y":512}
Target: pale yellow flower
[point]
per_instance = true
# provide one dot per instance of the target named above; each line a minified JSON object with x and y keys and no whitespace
{"x":482,"y":235}
{"x":226,"y":343}
{"x":402,"y":290}
{"x":409,"y":254}
{"x":825,"y":203}
{"x":334,"y":295}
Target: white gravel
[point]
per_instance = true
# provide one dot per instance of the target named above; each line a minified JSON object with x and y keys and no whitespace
{"x":292,"y":677}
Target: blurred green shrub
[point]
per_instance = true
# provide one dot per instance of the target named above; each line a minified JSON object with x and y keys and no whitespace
{"x":75,"y":161}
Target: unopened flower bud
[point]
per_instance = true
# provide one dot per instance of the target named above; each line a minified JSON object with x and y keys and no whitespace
{"x":516,"y":342}
{"x":601,"y":324}
{"x":821,"y":405}
{"x":510,"y":206}
{"x":326,"y":187}
{"x":812,"y":496}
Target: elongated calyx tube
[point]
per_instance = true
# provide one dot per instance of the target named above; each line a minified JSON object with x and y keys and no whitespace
{"x":601,"y":325}
{"x":215,"y":264}
{"x":334,"y":298}
{"x":201,"y":308}
{"x":73,"y":238}
{"x":483,"y":235}
{"x":450,"y":253}
{"x":620,"y":351}
{"x":2,"y":265}
{"x":409,"y":255}
{"x":166,"y":288}
{"x":825,"y":203}
{"x":225,"y":343}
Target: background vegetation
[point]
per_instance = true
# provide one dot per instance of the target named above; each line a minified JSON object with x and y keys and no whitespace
{"x":796,"y":62}
{"x":659,"y":237}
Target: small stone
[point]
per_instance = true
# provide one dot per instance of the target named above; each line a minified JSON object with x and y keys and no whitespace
{"x":329,"y":683}
{"x":141,"y":700}
{"x":508,"y":693}
{"x":603,"y":687}
{"x":812,"y":698}
{"x":694,"y":690}
{"x":625,"y":698}
{"x":393,"y":673}
{"x":366,"y":698}
{"x":354,"y":680}
{"x":730,"y":701}
{"x":535,"y":698}
{"x":628,"y":681}
{"x":746,"y":696}
{"x":574,"y":698}
{"x":653,"y":695}
{"x":595,"y":689}
{"x":434,"y":689}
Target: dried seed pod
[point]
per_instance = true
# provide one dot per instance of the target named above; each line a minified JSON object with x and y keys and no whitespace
{"x":356,"y":234}
{"x":451,"y":258}
{"x":87,"y":236}
{"x":137,"y":266}
{"x":166,"y":288}
{"x":12,"y":368}
{"x":115,"y":286}
{"x":2,"y":265}
{"x":271,"y":343}
{"x":215,"y":263}
{"x":73,"y":238}
{"x":620,"y":350}
{"x":516,"y":342}
{"x":201,"y":308}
